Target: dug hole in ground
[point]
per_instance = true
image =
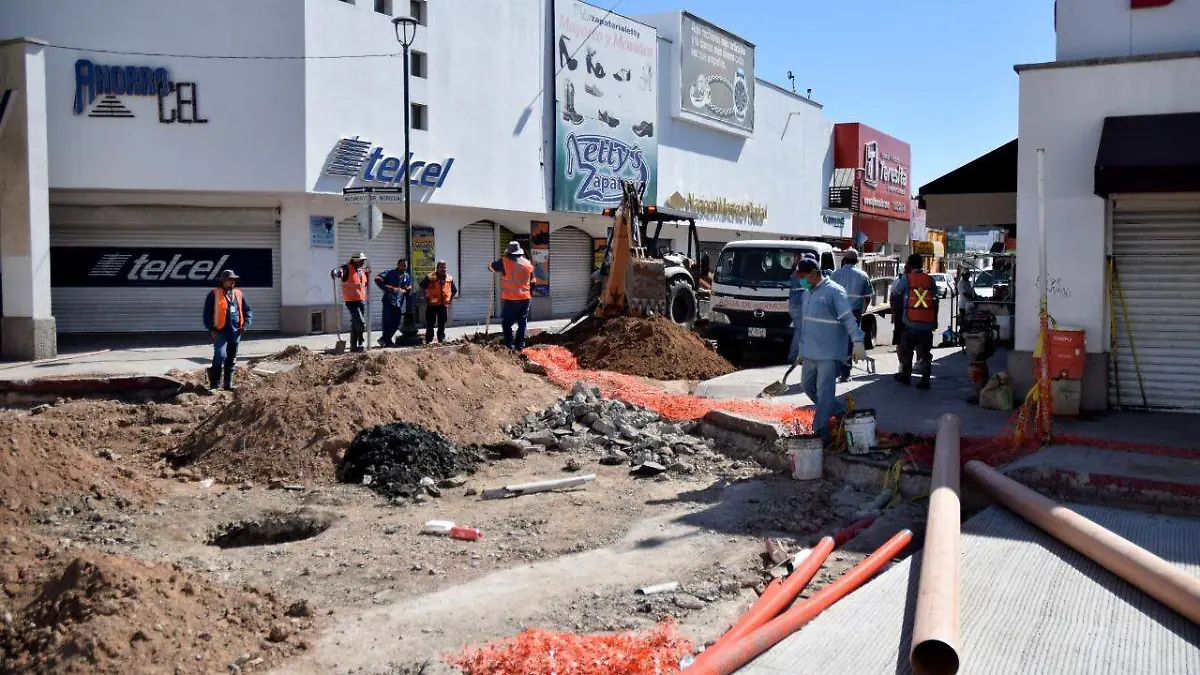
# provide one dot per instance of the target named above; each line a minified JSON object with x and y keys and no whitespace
{"x":211,"y":534}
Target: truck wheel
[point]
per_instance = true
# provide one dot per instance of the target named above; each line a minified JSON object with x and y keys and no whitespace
{"x":681,"y":303}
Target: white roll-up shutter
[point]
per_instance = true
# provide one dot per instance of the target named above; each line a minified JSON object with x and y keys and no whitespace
{"x":383,"y":252}
{"x":570,"y":270}
{"x":121,"y":235}
{"x":477,"y":248}
{"x":1156,"y":249}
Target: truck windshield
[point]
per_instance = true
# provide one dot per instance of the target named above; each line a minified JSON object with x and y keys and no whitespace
{"x":757,"y":267}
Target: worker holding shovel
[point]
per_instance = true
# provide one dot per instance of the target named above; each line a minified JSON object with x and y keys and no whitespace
{"x":226,"y":316}
{"x":355,"y":277}
{"x":827,"y":321}
{"x":516,"y":282}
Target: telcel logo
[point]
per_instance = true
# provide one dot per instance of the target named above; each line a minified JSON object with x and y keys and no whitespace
{"x":352,"y":158}
{"x":178,"y":268}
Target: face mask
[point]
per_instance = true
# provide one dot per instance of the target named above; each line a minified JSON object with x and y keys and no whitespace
{"x":806,"y":284}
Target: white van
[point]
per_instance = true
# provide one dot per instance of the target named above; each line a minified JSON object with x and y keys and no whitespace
{"x":751,"y":284}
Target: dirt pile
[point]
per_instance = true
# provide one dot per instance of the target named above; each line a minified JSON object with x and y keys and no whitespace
{"x":94,"y":613}
{"x":653,"y":347}
{"x":393,"y":459}
{"x":295,"y":425}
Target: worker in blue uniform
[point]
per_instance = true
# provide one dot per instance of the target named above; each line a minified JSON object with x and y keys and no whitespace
{"x":826,"y":322}
{"x":796,"y":307}
{"x":858,"y":292}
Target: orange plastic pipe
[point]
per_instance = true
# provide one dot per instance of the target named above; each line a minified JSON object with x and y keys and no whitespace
{"x":737,"y":654}
{"x":1160,"y":579}
{"x":770,"y":604}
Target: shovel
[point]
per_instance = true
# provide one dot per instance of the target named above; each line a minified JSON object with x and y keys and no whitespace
{"x":778,"y":387}
{"x":339,"y":347}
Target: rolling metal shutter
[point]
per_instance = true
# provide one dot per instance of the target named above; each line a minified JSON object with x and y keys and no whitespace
{"x":382,"y":253}
{"x":570,"y":270}
{"x":142,"y":308}
{"x":477,"y":248}
{"x":1156,"y":249}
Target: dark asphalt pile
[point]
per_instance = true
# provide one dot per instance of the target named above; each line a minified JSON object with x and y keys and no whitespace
{"x":392,"y":459}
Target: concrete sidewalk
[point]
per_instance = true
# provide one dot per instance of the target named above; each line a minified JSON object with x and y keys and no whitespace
{"x":160,"y":360}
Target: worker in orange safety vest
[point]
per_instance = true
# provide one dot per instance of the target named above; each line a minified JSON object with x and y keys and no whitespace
{"x":916,"y":293}
{"x":440,"y":291}
{"x":226,"y":316}
{"x":355,"y":276}
{"x":516,"y":284}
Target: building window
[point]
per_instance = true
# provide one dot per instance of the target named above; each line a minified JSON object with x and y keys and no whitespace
{"x":416,"y":9}
{"x":420,"y":117}
{"x":383,"y":7}
{"x":419,"y":66}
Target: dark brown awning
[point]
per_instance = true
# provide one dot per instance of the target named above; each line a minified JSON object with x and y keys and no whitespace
{"x":1149,"y":153}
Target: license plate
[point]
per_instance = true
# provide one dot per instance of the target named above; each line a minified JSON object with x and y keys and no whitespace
{"x":757,"y":332}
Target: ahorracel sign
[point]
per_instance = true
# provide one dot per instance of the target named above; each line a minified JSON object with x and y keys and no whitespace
{"x":99,"y":89}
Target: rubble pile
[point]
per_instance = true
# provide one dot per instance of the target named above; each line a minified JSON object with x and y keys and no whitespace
{"x":403,"y":460}
{"x":616,"y":432}
{"x":653,"y":347}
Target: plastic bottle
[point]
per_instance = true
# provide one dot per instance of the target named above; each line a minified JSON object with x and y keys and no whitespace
{"x":466,"y":533}
{"x":442,"y":527}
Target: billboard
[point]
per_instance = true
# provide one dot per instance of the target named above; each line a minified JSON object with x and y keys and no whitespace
{"x":606,"y":107}
{"x":157,"y":266}
{"x":716,"y":74}
{"x":885,"y":164}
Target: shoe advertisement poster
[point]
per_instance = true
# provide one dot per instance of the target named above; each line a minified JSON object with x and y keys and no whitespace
{"x":606,"y":107}
{"x":716,"y":74}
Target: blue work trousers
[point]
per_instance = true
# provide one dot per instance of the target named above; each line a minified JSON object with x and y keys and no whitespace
{"x":514,"y":312}
{"x":391,"y":322}
{"x":819,"y":379}
{"x":225,"y":349}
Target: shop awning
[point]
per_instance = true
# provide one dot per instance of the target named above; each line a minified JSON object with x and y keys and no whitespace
{"x":939,"y":249}
{"x":1149,"y":153}
{"x":995,"y":172}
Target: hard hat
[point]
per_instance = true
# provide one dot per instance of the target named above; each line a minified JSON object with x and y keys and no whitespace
{"x":850,"y":255}
{"x":514,"y":248}
{"x":229,"y":274}
{"x":359,"y":256}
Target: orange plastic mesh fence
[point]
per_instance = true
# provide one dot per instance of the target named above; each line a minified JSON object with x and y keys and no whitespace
{"x":542,"y":652}
{"x":562,"y":369}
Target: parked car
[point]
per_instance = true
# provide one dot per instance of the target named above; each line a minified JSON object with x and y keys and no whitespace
{"x":944,"y":286}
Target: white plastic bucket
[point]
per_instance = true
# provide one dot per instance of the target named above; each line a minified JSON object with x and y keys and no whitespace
{"x":805,"y":457}
{"x":860,"y":432}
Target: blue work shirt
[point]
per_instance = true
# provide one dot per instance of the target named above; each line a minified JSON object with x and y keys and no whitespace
{"x":899,"y":302}
{"x":796,"y":301}
{"x":396,"y":280}
{"x":826,"y":322}
{"x":857,"y":285}
{"x":234,"y":321}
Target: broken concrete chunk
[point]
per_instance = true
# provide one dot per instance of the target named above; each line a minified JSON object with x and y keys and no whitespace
{"x":605,"y":427}
{"x":544,"y":437}
{"x":452,"y":482}
{"x":614,"y":457}
{"x":648,"y":469}
{"x":571,"y":443}
{"x":688,"y":601}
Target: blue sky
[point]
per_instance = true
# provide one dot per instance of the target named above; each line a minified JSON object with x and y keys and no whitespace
{"x":935,"y":73}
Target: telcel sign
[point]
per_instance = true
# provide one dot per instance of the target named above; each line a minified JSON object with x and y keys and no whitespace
{"x":355,"y":158}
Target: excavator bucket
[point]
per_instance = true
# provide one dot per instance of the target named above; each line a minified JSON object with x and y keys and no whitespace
{"x":646,"y":289}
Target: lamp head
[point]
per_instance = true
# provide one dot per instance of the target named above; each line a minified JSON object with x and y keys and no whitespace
{"x":406,"y":29}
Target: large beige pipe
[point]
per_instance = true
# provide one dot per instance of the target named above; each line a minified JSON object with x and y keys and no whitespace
{"x":1158,"y":578}
{"x":935,"y":629}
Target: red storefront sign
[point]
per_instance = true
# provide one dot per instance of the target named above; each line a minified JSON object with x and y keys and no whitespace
{"x":883,"y":163}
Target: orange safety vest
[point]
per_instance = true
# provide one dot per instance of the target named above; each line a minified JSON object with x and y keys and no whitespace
{"x":221,"y":308}
{"x":514,"y":284}
{"x":354,"y":283}
{"x":921,"y":305}
{"x":439,"y":293}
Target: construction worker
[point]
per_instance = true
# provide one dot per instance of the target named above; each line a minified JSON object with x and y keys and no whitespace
{"x":916,"y":294}
{"x":396,"y":285}
{"x":355,"y":276}
{"x":796,"y":308}
{"x":826,"y":322}
{"x":516,"y":290}
{"x":858,"y":292}
{"x":440,"y":291}
{"x":226,"y":316}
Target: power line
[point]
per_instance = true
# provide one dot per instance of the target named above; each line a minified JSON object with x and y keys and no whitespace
{"x":119,"y":52}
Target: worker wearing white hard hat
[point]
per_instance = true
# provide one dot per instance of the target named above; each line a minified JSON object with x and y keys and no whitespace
{"x":355,"y":276}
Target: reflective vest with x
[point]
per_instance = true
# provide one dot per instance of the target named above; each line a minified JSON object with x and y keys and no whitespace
{"x":920,"y":307}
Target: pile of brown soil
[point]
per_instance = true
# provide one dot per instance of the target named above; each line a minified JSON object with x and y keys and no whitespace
{"x":96,"y":613}
{"x":653,"y":347}
{"x":294,"y":426}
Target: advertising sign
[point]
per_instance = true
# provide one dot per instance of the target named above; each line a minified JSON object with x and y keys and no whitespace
{"x":885,"y":163}
{"x":716,"y":74}
{"x":539,"y":238}
{"x":424,"y":260}
{"x":320,"y":231}
{"x":606,"y":107}
{"x":165,"y":267}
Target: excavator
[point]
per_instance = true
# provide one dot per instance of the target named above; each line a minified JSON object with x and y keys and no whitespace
{"x":640,"y":276}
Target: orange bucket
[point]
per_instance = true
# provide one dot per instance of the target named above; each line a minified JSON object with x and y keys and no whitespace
{"x":977,"y":372}
{"x":1067,"y":353}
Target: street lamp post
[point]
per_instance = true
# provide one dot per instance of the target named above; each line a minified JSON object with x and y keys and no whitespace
{"x":406,"y":32}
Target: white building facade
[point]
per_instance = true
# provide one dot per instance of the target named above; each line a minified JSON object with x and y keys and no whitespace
{"x":170,"y":140}
{"x":1118,"y":118}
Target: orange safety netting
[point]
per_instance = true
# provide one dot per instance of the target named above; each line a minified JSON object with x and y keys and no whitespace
{"x":562,"y":369}
{"x":542,"y":652}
